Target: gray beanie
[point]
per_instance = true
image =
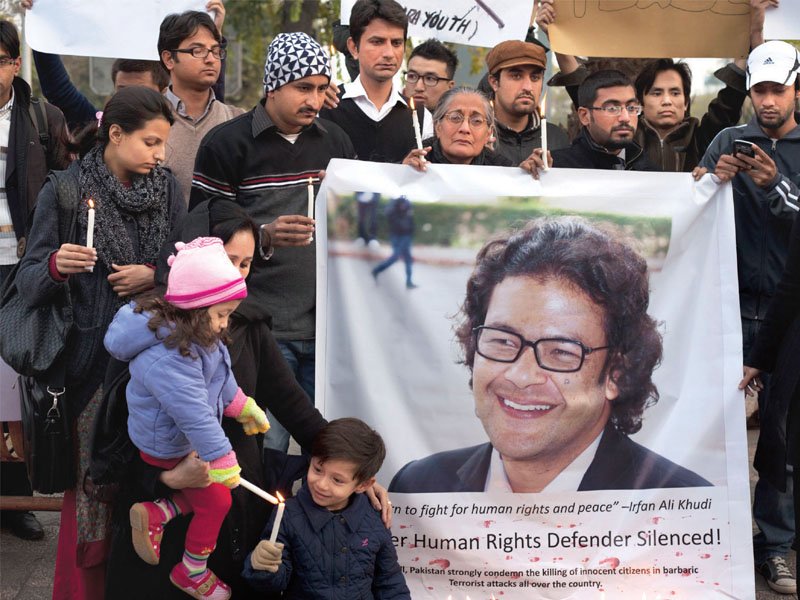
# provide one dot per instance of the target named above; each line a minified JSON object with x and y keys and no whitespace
{"x":293,"y":56}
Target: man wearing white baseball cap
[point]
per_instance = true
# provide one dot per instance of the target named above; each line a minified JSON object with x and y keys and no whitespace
{"x":762,"y":160}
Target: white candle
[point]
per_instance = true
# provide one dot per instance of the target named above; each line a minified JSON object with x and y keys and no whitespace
{"x":543,"y":114}
{"x":276,"y":526}
{"x":258,"y":491}
{"x":415,"y":122}
{"x":310,"y":197}
{"x":90,"y":225}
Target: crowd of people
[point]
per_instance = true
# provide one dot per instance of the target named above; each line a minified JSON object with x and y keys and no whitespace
{"x":196,"y":196}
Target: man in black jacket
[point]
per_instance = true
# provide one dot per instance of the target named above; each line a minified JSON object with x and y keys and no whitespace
{"x":609,"y":112}
{"x":32,"y":141}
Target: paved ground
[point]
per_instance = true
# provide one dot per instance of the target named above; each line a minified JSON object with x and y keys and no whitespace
{"x":26,"y":568}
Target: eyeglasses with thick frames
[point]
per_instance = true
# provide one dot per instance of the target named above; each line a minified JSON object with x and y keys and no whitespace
{"x":456,"y":117}
{"x":615,"y":109}
{"x":202,"y":52}
{"x":413,"y":77}
{"x":552,"y":354}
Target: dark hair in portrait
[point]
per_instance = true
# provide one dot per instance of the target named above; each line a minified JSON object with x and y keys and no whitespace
{"x":177,"y":27}
{"x":436,"y":50}
{"x":608,"y":271}
{"x":366,"y":11}
{"x":9,"y":38}
{"x":351,"y":440}
{"x":128,"y":65}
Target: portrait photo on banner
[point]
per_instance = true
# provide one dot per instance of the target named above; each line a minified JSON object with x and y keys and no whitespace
{"x":553,"y":374}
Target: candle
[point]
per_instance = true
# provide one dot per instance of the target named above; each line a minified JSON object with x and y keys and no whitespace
{"x":415,"y":122}
{"x":543,"y":114}
{"x":90,"y":224}
{"x":310,"y":197}
{"x":277,"y":524}
{"x":258,"y":491}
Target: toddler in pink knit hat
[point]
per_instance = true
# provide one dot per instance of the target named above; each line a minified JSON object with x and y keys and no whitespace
{"x":181,"y":386}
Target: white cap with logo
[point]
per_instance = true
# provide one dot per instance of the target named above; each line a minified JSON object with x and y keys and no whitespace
{"x":773,"y":61}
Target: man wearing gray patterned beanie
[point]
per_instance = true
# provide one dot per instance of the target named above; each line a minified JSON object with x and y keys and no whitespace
{"x":265,"y":160}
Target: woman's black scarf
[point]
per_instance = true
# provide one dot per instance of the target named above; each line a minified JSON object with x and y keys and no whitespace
{"x":144,"y":202}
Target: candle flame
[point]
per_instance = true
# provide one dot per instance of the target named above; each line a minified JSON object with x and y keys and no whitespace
{"x":411,"y":103}
{"x":90,"y":203}
{"x":280,"y":498}
{"x":542,"y":109}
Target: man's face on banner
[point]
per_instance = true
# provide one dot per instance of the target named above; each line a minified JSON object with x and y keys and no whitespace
{"x":529,"y":413}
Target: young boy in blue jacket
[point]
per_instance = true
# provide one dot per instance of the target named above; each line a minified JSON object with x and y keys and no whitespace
{"x":332,"y":543}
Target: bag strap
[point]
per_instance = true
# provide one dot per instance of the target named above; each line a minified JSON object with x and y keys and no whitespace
{"x":39,"y":119}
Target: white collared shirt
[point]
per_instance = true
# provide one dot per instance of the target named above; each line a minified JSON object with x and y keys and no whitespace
{"x":567,"y":481}
{"x":356,"y":91}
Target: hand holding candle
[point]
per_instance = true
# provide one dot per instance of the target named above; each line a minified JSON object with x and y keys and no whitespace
{"x":276,"y":526}
{"x":90,"y":228}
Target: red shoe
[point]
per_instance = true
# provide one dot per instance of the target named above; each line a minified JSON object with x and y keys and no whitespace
{"x":147,"y":529}
{"x":209,"y":587}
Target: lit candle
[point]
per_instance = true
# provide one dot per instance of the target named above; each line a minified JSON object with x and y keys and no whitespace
{"x":90,"y":224}
{"x":415,"y":121}
{"x":277,"y":525}
{"x":258,"y":491}
{"x":543,"y":114}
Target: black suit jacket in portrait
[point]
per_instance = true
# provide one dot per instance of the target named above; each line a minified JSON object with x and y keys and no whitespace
{"x":619,"y":464}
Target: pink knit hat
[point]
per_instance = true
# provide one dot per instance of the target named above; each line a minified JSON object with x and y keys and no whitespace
{"x":202,"y":275}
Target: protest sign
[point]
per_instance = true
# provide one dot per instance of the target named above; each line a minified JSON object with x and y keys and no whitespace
{"x":652,"y":29}
{"x":782,"y":22}
{"x":105,"y":28}
{"x":470,"y":22}
{"x":387,"y":353}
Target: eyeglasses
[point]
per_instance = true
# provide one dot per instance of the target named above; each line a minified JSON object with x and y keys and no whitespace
{"x":552,"y":354}
{"x":413,"y":77}
{"x":456,"y":117}
{"x":6,"y":61}
{"x":615,"y":109}
{"x":202,"y":52}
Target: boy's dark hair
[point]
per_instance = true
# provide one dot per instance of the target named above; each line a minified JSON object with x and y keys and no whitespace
{"x":366,"y":11}
{"x":587,"y":92}
{"x":9,"y":38}
{"x":176,"y":28}
{"x":647,"y":78}
{"x":126,"y":65}
{"x":352,"y":440}
{"x":435,"y":50}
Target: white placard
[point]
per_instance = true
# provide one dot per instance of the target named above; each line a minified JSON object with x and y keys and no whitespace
{"x":783,"y":22}
{"x":471,"y":22}
{"x":387,"y":354}
{"x":105,"y":28}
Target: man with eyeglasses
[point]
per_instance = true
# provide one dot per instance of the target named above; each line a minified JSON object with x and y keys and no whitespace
{"x":431,"y":68}
{"x":515,"y":74}
{"x":609,"y":114}
{"x":561,"y":352}
{"x":190,"y":48}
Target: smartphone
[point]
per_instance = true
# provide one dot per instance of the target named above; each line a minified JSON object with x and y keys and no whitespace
{"x":743,"y":147}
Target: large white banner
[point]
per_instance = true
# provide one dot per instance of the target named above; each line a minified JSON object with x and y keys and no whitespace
{"x":388,"y":355}
{"x":470,"y":22}
{"x":107,"y":28}
{"x":783,"y":22}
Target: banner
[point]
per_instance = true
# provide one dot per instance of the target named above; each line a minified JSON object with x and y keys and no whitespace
{"x":470,"y":22}
{"x":106,"y":28}
{"x":782,"y":22}
{"x":652,"y":28}
{"x":663,"y":512}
